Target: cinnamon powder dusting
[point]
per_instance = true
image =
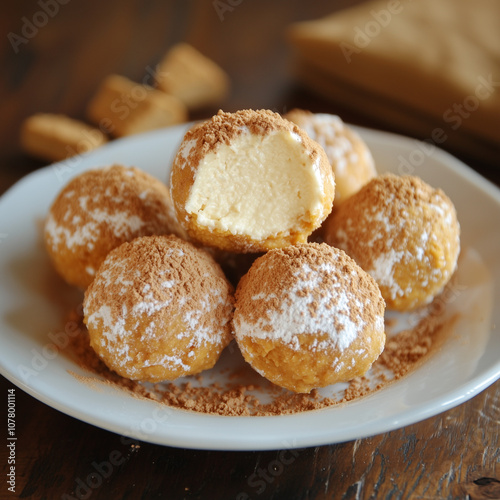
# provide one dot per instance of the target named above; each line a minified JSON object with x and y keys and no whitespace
{"x":100,"y":209}
{"x":404,"y":233}
{"x":124,"y":309}
{"x":301,"y":274}
{"x":223,"y":127}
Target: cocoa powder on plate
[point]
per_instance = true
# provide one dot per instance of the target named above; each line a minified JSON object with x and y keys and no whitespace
{"x":404,"y":352}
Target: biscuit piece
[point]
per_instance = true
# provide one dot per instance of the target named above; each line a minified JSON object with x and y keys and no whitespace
{"x":55,"y":137}
{"x":192,"y":77}
{"x":250,"y":181}
{"x":404,"y":233}
{"x":308,"y":316}
{"x":123,"y":107}
{"x":99,"y":210}
{"x":158,"y":309}
{"x":349,"y":156}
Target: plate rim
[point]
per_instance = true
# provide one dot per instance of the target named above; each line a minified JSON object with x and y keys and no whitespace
{"x":465,"y":392}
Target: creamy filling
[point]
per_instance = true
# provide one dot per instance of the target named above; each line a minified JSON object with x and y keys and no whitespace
{"x":257,"y":186}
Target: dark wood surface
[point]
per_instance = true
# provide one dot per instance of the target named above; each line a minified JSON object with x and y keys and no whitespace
{"x":453,"y":455}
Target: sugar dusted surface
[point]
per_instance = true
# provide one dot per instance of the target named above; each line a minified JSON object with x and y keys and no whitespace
{"x":170,"y":283}
{"x":307,"y":291}
{"x":233,"y":388}
{"x":147,"y":286}
{"x":328,"y":131}
{"x":397,"y":225}
{"x":106,"y":200}
{"x":350,"y":158}
{"x":100,"y":209}
{"x":285,"y":322}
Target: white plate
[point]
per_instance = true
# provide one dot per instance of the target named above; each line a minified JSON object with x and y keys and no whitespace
{"x":33,"y":301}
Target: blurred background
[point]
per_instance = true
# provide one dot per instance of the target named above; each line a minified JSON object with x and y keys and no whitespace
{"x":59,"y":68}
{"x":56,"y":53}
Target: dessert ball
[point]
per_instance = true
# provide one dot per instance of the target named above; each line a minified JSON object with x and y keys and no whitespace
{"x":404,"y":233}
{"x":351,"y":160}
{"x":250,"y":181}
{"x":158,"y":309}
{"x":308,"y":316}
{"x":100,"y":209}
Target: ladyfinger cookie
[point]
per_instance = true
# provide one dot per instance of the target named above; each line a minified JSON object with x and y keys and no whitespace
{"x":54,"y":137}
{"x":123,"y":107}
{"x":192,"y":77}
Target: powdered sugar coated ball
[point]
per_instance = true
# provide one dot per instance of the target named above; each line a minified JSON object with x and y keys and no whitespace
{"x":404,"y":233}
{"x":308,"y":316}
{"x":158,"y":309}
{"x":99,"y":210}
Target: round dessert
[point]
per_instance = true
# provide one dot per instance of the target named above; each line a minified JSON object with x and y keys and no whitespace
{"x":351,"y":160}
{"x":308,"y":316}
{"x":404,"y":233}
{"x":158,"y":309}
{"x":250,"y":181}
{"x":99,"y":210}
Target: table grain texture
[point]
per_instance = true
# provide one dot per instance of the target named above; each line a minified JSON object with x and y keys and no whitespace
{"x":455,"y":455}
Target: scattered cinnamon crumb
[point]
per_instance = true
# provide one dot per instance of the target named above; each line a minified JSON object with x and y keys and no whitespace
{"x":407,"y":349}
{"x":404,"y":352}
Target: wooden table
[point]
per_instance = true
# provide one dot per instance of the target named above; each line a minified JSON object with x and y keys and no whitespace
{"x":57,"y":69}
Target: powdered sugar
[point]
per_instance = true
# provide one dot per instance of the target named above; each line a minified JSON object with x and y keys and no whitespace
{"x":382,"y":271}
{"x":343,"y":147}
{"x":313,"y":305}
{"x":186,"y":149}
{"x":147,"y":308}
{"x":302,"y":310}
{"x":148,"y":303}
{"x":100,"y":209}
{"x":61,"y":234}
{"x":327,"y":130}
{"x":404,"y":233}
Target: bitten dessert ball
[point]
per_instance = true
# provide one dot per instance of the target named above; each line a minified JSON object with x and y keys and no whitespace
{"x":404,"y":233}
{"x":100,"y":209}
{"x":349,"y":156}
{"x":158,"y":309}
{"x":308,"y":316}
{"x":250,"y":181}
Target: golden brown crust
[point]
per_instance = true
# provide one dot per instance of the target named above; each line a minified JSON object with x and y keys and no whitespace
{"x":221,"y":129}
{"x":404,"y":233}
{"x":55,"y":137}
{"x":308,"y":316}
{"x":158,"y":309}
{"x":100,"y":209}
{"x":193,"y":78}
{"x":124,"y":107}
